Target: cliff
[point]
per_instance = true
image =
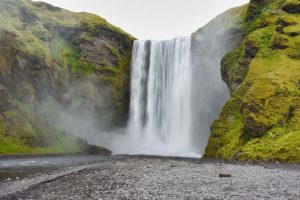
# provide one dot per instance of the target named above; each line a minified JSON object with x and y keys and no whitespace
{"x":261,"y":120}
{"x":54,"y":61}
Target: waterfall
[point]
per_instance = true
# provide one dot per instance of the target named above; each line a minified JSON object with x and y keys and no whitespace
{"x":176,"y":93}
{"x":161,"y":92}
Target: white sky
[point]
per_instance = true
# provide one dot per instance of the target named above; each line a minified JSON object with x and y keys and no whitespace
{"x":153,"y":19}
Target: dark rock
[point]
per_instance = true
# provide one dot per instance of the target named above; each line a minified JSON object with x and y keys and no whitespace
{"x":254,"y":8}
{"x":4,"y":100}
{"x":8,"y":41}
{"x":68,"y":33}
{"x":27,"y":16}
{"x":280,"y":123}
{"x":285,"y":22}
{"x":96,"y":150}
{"x":92,"y":149}
{"x":225,"y":175}
{"x":254,"y":128}
{"x":252,"y":107}
{"x":294,"y":34}
{"x":292,"y":8}
{"x":280,"y":30}
{"x":251,"y":48}
{"x":245,"y":62}
{"x":290,"y":114}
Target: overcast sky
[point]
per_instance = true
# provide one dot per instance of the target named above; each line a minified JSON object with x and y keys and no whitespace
{"x":153,"y":19}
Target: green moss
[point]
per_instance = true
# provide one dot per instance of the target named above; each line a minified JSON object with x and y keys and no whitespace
{"x":114,"y":52}
{"x":92,"y":22}
{"x":71,"y":59}
{"x":267,"y":99}
{"x":11,"y":145}
{"x":120,"y":81}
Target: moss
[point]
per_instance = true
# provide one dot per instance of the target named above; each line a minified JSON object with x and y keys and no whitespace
{"x":65,"y":144}
{"x":280,"y":42}
{"x":114,"y":52}
{"x":93,"y":22}
{"x":261,"y":120}
{"x":86,"y":37}
{"x":120,"y":82}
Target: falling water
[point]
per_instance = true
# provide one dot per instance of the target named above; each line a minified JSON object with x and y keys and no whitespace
{"x":161,"y":92}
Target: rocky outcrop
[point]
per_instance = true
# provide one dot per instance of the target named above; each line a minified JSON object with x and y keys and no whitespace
{"x":47,"y":54}
{"x":261,"y":119}
{"x":292,"y":7}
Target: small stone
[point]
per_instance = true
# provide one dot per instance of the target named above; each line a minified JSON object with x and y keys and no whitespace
{"x":224,"y":175}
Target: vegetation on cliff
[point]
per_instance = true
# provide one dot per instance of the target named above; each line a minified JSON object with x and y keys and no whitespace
{"x":261,"y":121}
{"x":45,"y":51}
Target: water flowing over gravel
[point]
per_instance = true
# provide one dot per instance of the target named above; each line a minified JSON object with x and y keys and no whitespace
{"x":164,"y":178}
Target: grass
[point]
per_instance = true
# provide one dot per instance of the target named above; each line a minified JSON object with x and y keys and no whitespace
{"x":11,"y":145}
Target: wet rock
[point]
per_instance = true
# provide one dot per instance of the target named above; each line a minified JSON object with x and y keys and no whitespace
{"x":96,"y":150}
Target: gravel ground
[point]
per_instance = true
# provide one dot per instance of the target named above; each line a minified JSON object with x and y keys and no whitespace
{"x":165,"y":178}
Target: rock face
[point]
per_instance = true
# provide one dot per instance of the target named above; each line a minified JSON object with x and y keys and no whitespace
{"x":261,"y":121}
{"x":50,"y":56}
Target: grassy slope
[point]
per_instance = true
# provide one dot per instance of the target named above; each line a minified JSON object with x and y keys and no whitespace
{"x":261,"y":121}
{"x":21,"y":129}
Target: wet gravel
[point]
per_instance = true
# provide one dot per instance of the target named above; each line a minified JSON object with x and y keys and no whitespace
{"x":164,"y":178}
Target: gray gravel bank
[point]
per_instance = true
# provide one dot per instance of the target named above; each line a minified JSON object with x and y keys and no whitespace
{"x":156,"y":178}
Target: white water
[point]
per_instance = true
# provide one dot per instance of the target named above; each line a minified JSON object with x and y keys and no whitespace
{"x":160,"y":109}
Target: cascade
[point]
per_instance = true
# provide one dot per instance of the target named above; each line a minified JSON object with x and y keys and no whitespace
{"x":171,"y":103}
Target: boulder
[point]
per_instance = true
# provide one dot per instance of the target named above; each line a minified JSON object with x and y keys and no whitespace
{"x":96,"y":150}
